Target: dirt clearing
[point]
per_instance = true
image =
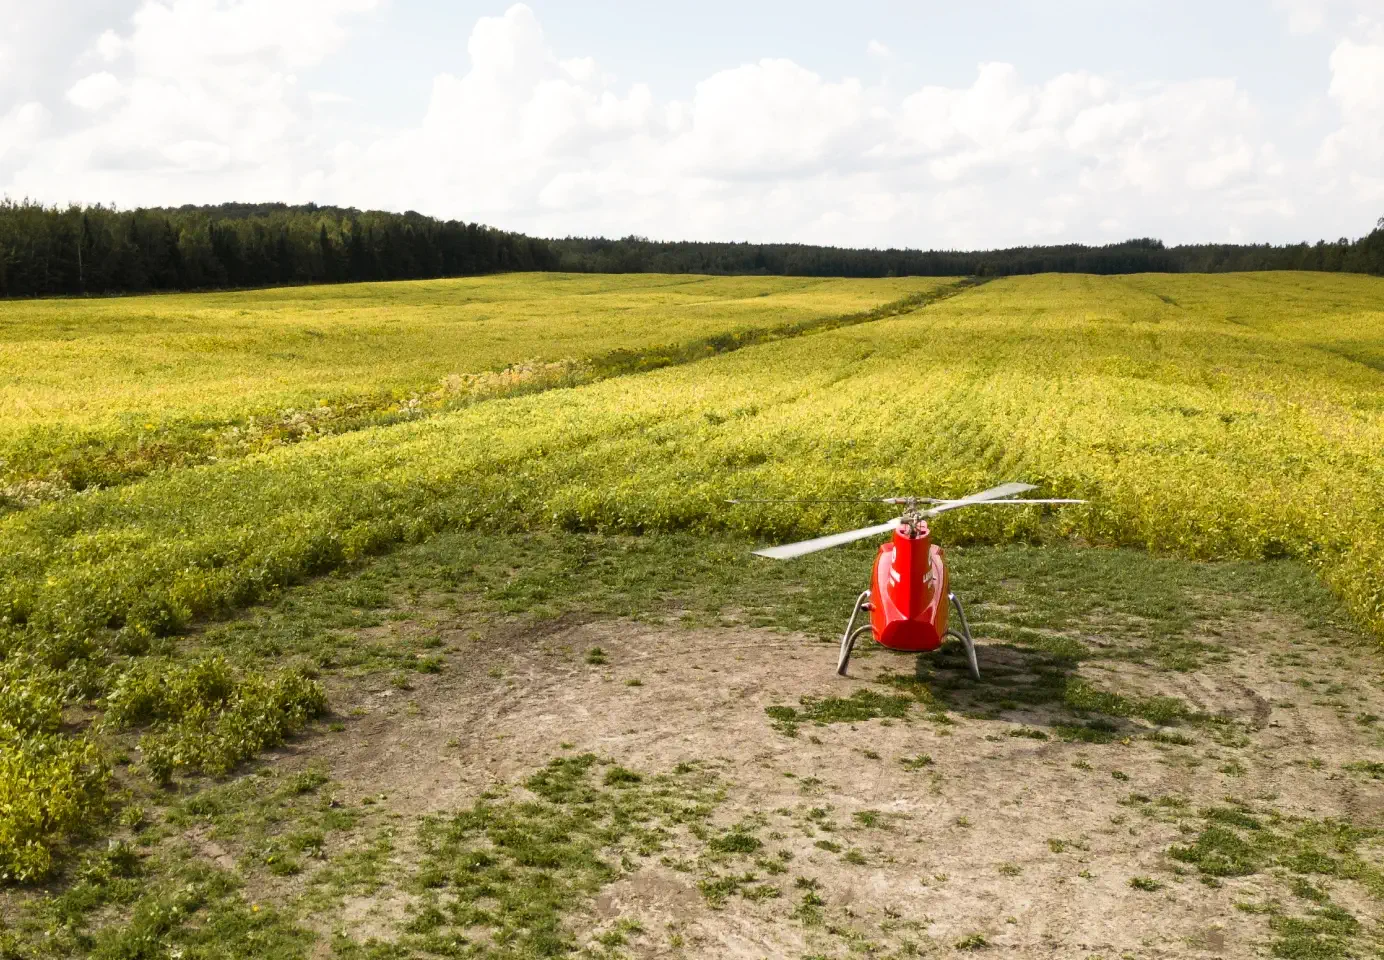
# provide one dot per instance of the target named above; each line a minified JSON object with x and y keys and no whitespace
{"x":960,"y":816}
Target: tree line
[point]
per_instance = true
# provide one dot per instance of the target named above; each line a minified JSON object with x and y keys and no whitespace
{"x":637,"y":254}
{"x":50,"y":251}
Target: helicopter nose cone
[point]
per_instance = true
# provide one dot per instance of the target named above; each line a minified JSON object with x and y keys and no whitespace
{"x":909,"y":592}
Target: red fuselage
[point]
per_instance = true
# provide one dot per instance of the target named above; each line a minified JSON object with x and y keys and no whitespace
{"x":908,"y":592}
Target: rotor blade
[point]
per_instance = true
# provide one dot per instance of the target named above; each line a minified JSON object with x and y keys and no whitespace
{"x":812,"y":500}
{"x":994,"y":493}
{"x":790,"y":550}
{"x":1017,"y":503}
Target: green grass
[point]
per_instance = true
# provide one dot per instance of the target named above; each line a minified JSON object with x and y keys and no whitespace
{"x":1373,"y":769}
{"x":132,"y":897}
{"x":862,"y":705}
{"x":498,"y":879}
{"x":735,"y":840}
{"x":1237,"y":841}
{"x":1320,"y":934}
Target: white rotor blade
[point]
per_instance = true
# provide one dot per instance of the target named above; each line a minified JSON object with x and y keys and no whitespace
{"x":1017,"y":503}
{"x":790,"y":550}
{"x":994,"y":493}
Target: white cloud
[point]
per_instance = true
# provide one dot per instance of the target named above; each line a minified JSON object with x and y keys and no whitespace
{"x":1304,"y":16}
{"x":1355,"y":150}
{"x":767,"y":119}
{"x":198,"y":100}
{"x":1357,"y":80}
{"x":1311,"y":16}
{"x":21,"y":128}
{"x":772,"y":150}
{"x":877,"y":50}
{"x":197,"y":156}
{"x":95,"y":91}
{"x":109,"y":46}
{"x":491,"y":140}
{"x":176,"y":38}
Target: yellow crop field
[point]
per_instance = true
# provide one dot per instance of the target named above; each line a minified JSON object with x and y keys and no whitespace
{"x":93,"y":392}
{"x":1208,"y":416}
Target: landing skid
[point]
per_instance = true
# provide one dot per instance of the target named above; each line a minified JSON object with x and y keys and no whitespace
{"x":964,"y":636}
{"x":862,"y":602}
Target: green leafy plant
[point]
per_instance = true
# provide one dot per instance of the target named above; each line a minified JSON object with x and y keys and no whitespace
{"x":202,"y":716}
{"x":51,"y":787}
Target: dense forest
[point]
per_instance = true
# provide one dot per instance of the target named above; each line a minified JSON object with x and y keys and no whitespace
{"x":47,"y":251}
{"x":635,"y":254}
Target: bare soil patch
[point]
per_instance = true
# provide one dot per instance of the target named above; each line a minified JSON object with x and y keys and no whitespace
{"x":950,"y":826}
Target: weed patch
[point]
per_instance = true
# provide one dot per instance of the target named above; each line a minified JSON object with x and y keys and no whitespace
{"x":1234,"y":842}
{"x":497,"y":880}
{"x":154,"y":906}
{"x":204,"y":718}
{"x":862,"y":705}
{"x":51,"y":788}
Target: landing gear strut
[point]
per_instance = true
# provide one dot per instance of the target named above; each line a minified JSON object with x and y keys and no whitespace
{"x":964,"y":636}
{"x":862,"y":602}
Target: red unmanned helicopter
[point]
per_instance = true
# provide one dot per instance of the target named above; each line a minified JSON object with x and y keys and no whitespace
{"x":908,"y":598}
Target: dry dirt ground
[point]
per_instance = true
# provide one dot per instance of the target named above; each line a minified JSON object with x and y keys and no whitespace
{"x":973,"y":821}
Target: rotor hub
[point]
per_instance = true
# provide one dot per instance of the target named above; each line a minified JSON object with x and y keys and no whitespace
{"x":913,"y":523}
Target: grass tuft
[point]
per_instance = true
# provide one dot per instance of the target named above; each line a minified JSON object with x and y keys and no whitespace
{"x":862,"y":705}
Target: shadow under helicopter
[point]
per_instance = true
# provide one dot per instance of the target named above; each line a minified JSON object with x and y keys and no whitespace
{"x":1035,"y":688}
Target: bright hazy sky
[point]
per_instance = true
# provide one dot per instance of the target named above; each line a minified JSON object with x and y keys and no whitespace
{"x":932,"y":124}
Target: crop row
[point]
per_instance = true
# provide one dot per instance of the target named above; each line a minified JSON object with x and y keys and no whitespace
{"x":98,"y":392}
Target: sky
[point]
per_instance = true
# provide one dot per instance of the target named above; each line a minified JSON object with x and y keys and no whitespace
{"x":870,"y":123}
